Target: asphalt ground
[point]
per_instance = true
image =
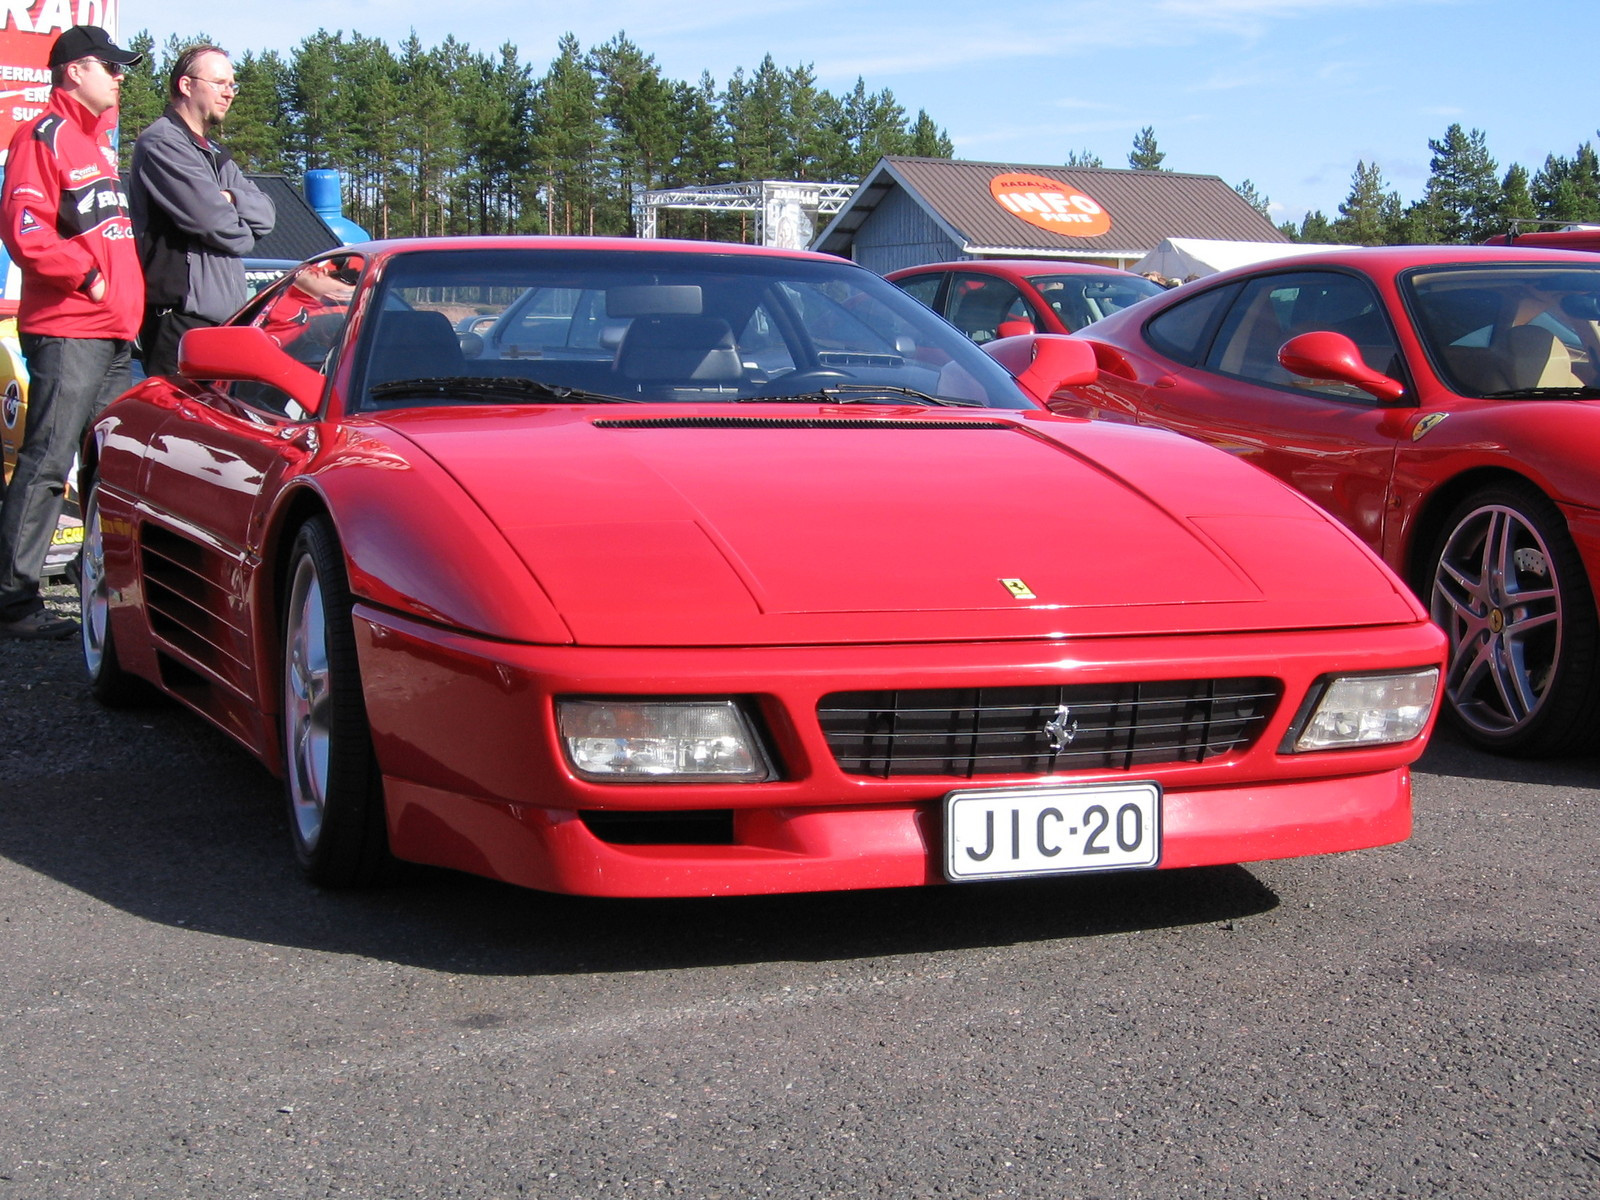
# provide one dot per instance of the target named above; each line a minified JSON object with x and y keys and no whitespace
{"x":183,"y":1016}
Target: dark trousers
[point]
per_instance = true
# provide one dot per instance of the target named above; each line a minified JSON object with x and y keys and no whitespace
{"x":69,"y":381}
{"x":159,"y":336}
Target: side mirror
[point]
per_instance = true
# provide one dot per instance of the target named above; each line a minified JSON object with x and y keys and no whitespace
{"x":1044,"y":363}
{"x":247,"y":353}
{"x":1334,"y":357}
{"x":1015,"y":327}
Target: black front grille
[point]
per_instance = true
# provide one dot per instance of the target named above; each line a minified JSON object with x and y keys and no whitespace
{"x":969,"y":732}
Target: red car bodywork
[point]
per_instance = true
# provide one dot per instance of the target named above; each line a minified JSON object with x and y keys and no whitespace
{"x":1391,"y":467}
{"x":1044,"y":295}
{"x":501,"y":556}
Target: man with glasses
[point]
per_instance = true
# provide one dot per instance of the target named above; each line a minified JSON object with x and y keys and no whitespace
{"x":194,"y":212}
{"x":64,"y":218}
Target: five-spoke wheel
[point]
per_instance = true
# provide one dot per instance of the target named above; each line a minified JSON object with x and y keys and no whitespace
{"x":1509,"y":590}
{"x":331,"y":780}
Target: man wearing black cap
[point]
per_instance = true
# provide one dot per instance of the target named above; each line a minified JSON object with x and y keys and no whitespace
{"x":194,"y":211}
{"x":64,"y":218}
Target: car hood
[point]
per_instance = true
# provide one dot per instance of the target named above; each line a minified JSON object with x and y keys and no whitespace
{"x":792,"y":525}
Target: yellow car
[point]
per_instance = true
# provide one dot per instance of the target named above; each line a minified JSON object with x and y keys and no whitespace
{"x":68,"y":537}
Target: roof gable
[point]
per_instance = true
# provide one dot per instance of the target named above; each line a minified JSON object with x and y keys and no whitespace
{"x":1011,"y":208}
{"x":298,"y":231}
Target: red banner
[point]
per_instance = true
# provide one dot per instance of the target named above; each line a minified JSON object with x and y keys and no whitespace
{"x":29,"y":30}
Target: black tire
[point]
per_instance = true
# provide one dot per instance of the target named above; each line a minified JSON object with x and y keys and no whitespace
{"x":108,"y":682}
{"x":1506,"y":585}
{"x":331,"y":781}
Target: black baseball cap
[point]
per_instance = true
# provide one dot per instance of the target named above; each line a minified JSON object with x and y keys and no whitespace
{"x":90,"y":41}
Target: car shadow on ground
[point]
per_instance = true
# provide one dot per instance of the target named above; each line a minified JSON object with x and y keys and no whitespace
{"x":200,"y":842}
{"x":1449,"y":753}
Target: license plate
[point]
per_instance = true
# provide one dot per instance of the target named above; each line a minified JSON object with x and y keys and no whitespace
{"x":1001,"y":833}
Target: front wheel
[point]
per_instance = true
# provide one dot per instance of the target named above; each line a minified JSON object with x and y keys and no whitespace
{"x":1511,"y":594}
{"x":108,"y":682}
{"x":334,"y":791}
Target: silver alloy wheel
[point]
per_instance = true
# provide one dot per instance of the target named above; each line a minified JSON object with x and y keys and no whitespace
{"x":1496,"y":595}
{"x":94,"y":602}
{"x":307,"y":702}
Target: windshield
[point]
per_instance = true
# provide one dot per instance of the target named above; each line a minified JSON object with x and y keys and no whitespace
{"x":1510,"y":330}
{"x":1081,"y":300}
{"x":591,"y":326}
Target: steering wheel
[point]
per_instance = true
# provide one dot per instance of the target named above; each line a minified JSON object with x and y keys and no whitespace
{"x":796,"y":382}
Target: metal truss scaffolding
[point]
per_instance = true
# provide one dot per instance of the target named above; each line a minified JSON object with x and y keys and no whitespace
{"x":786,"y":210}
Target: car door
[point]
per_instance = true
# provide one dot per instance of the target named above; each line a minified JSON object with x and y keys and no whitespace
{"x":1331,"y":441}
{"x":219,"y":456}
{"x":979,"y":305}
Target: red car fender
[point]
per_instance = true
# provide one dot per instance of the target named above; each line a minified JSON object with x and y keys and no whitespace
{"x":415,"y":543}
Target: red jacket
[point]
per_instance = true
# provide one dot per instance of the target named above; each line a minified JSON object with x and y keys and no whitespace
{"x":64,"y":216}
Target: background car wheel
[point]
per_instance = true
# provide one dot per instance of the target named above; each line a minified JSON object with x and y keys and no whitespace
{"x":1510,"y":591}
{"x":334,"y":792}
{"x":108,"y":682}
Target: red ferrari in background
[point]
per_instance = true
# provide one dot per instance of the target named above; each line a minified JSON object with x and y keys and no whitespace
{"x":712,"y":569}
{"x":1003,"y":297}
{"x":1444,"y":403}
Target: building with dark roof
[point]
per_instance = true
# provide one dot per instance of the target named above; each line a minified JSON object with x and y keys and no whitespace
{"x":298,"y":232}
{"x":910,"y":211}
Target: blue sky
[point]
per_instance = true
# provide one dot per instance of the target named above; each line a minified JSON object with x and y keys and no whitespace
{"x":1290,"y":94}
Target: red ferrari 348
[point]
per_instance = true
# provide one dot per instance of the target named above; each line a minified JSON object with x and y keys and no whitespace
{"x":708,"y":569}
{"x":1444,"y":403}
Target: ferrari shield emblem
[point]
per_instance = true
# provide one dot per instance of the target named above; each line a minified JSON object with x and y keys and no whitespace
{"x":1018,"y":589}
{"x":1426,"y":423}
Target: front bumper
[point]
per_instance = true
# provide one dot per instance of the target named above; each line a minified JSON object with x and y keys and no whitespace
{"x":465,"y":735}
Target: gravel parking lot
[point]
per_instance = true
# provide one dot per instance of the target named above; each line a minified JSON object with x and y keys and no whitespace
{"x":184,"y":1017}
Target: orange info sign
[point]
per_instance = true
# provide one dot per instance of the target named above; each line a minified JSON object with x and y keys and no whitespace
{"x":1050,"y":204}
{"x":30,"y":29}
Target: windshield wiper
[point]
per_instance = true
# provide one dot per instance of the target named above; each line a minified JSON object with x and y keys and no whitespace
{"x":863,"y":393}
{"x":503,"y":387}
{"x":1568,"y":392}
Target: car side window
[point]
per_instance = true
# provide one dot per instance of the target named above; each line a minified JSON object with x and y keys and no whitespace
{"x":979,"y":304}
{"x":1273,"y":309}
{"x":306,"y":317}
{"x":1183,"y":331}
{"x":922,"y":287}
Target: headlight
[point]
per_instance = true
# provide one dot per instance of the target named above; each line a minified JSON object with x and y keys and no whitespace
{"x":1364,"y":710}
{"x":661,"y":741}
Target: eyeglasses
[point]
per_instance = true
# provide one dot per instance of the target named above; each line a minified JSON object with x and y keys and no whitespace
{"x":115,"y":70}
{"x":226,"y":86}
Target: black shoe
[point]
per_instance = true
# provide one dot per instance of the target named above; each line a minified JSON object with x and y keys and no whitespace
{"x":40,"y":626}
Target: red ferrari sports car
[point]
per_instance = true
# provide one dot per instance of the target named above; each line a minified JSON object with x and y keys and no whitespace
{"x":1003,"y":297}
{"x":1442,"y":403}
{"x":719,"y":569}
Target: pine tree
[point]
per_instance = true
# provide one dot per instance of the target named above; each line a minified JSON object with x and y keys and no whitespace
{"x":1363,"y":217}
{"x":637,"y":105}
{"x":1516,"y":201}
{"x":1316,"y":229}
{"x":567,"y":151}
{"x":1262,"y":204}
{"x":1145,"y":156}
{"x":1463,"y":189}
{"x":144,"y":95}
{"x":929,"y":141}
{"x":1083,"y":160}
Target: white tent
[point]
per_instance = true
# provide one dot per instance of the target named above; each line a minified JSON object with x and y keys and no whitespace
{"x":1179,"y":258}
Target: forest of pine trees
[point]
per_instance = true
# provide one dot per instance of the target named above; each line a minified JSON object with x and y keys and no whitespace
{"x":1466,"y":198}
{"x":448,"y":140}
